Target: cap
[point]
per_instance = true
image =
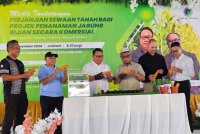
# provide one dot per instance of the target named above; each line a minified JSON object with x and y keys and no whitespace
{"x":50,"y":54}
{"x":125,"y":49}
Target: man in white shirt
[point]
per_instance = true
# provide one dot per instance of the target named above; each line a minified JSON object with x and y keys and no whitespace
{"x":182,"y":72}
{"x":175,"y":37}
{"x":95,"y":70}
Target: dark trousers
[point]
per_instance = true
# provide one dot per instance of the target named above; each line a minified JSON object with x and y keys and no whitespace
{"x":48,"y":105}
{"x":15,"y":109}
{"x":185,"y":88}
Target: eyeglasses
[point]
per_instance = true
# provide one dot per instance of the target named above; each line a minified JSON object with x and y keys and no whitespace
{"x":169,"y":42}
{"x":146,"y":37}
{"x":99,"y":56}
{"x":15,"y":48}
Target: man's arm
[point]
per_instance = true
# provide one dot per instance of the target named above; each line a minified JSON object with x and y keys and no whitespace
{"x":98,"y":76}
{"x":86,"y":69}
{"x":189,"y":69}
{"x":141,"y":62}
{"x":195,"y":63}
{"x":164,"y":67}
{"x":5,"y":72}
{"x":91,"y":78}
{"x":117,"y":80}
{"x":8,"y":77}
{"x":141,"y":74}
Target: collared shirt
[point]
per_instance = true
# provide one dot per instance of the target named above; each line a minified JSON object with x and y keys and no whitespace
{"x":13,"y":67}
{"x":186,"y":64}
{"x":129,"y":82}
{"x":137,"y":53}
{"x":54,"y":87}
{"x":92,"y":69}
{"x":151,"y":63}
{"x":169,"y":57}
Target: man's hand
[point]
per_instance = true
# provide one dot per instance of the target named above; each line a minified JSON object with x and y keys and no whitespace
{"x":56,"y":71}
{"x":109,"y":75}
{"x":99,"y":76}
{"x":27,"y":75}
{"x":134,"y":73}
{"x":151,"y":77}
{"x":170,"y":73}
{"x":122,"y":76}
{"x":30,"y":71}
{"x":117,"y":80}
{"x":64,"y":70}
{"x":160,"y":71}
{"x":179,"y":70}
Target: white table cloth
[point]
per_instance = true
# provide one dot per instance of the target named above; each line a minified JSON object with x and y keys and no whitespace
{"x":136,"y":114}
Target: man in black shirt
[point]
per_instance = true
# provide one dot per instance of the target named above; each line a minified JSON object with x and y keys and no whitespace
{"x":153,"y":65}
{"x":14,"y":78}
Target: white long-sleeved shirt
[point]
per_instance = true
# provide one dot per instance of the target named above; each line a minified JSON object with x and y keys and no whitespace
{"x":186,"y":64}
{"x":92,"y":69}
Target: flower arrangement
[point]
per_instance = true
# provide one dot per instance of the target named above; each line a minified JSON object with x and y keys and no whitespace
{"x":197,"y":119}
{"x":197,"y":112}
{"x":42,"y":126}
{"x":172,"y":3}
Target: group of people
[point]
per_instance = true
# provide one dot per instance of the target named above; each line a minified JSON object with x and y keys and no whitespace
{"x":14,"y":79}
{"x":145,"y":64}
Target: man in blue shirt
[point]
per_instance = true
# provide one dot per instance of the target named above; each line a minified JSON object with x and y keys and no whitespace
{"x":51,"y":78}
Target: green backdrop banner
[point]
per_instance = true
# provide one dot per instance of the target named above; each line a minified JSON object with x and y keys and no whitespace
{"x":73,"y":30}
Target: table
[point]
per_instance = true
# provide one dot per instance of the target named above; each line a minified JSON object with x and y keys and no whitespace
{"x":136,"y":114}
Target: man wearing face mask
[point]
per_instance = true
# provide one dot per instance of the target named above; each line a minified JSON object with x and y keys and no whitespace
{"x":146,"y":34}
{"x":174,"y":37}
{"x":183,"y":71}
{"x":129,"y":74}
{"x":95,"y":69}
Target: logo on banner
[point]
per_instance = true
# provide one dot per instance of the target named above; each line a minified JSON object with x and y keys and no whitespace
{"x":188,"y":12}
